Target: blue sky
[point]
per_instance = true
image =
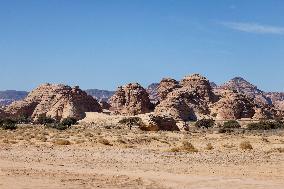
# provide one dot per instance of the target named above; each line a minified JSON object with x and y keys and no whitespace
{"x":107,"y":43}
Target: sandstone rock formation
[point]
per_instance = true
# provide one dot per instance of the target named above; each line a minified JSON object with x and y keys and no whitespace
{"x":166,"y":86}
{"x":189,"y":101}
{"x":233,"y":105}
{"x":105,"y":105}
{"x":56,"y":101}
{"x":131,"y":99}
{"x":240,"y":85}
{"x":277,"y":99}
{"x":152,"y":122}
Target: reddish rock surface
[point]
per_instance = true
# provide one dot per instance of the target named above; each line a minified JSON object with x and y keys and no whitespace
{"x":56,"y":101}
{"x":131,"y":99}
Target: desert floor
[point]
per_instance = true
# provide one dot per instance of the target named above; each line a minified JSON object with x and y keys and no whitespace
{"x":85,"y":157}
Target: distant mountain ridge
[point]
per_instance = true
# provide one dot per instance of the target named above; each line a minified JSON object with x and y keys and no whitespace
{"x":9,"y":96}
{"x":101,"y":95}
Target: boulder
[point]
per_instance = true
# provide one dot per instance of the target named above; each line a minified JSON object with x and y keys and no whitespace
{"x":152,"y":122}
{"x":55,"y":101}
{"x":131,"y":99}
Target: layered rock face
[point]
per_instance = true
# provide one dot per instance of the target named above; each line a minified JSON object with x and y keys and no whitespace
{"x":233,"y":105}
{"x":131,"y":99}
{"x":166,"y":86}
{"x":189,"y":100}
{"x":56,"y":101}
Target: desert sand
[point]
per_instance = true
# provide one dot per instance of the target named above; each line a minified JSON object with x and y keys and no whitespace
{"x":91,"y":157}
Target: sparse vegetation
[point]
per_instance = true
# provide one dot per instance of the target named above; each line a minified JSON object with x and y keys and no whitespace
{"x":231,"y":124}
{"x":205,"y":123}
{"x":185,"y":147}
{"x":8,"y":124}
{"x":131,"y":121}
{"x":58,"y":126}
{"x":209,"y":147}
{"x":44,"y":120}
{"x":266,"y":125}
{"x":246,"y":145}
{"x":69,"y":121}
{"x":104,"y":142}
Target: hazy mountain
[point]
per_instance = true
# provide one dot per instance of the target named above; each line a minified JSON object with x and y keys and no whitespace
{"x":9,"y":96}
{"x":103,"y":95}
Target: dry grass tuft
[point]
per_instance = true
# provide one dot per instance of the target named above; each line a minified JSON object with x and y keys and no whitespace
{"x":61,"y":142}
{"x":209,"y":147}
{"x":104,"y":142}
{"x":185,"y":147}
{"x":246,"y":145}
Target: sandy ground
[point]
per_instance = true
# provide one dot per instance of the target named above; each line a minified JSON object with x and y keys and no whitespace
{"x":38,"y":157}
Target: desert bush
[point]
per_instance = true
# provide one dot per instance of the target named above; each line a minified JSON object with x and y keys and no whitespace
{"x":58,"y":126}
{"x":185,"y":147}
{"x":69,"y":121}
{"x":266,"y":125}
{"x":131,"y":121}
{"x":231,"y":124}
{"x":23,"y":119}
{"x":104,"y":142}
{"x":245,"y":145}
{"x":8,"y":124}
{"x":207,"y":123}
{"x":44,"y":120}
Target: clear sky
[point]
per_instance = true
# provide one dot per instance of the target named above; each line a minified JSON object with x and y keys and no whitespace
{"x":106,"y":43}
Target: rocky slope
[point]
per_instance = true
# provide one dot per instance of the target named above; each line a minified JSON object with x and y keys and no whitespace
{"x":9,"y":96}
{"x":56,"y":101}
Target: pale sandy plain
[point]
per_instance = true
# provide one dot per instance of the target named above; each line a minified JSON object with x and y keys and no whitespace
{"x":92,"y":157}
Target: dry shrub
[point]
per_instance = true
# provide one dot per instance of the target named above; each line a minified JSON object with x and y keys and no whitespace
{"x":61,"y":142}
{"x":104,"y":142}
{"x":185,"y":147}
{"x":246,"y":145}
{"x":265,"y":140}
{"x":209,"y":147}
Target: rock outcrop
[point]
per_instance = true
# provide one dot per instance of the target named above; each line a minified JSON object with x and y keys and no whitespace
{"x":56,"y":101}
{"x":166,"y":86}
{"x":277,"y":99}
{"x":233,"y":105}
{"x":240,"y":85}
{"x":189,"y":101}
{"x":131,"y":99}
{"x":152,"y":122}
{"x":152,"y":90}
